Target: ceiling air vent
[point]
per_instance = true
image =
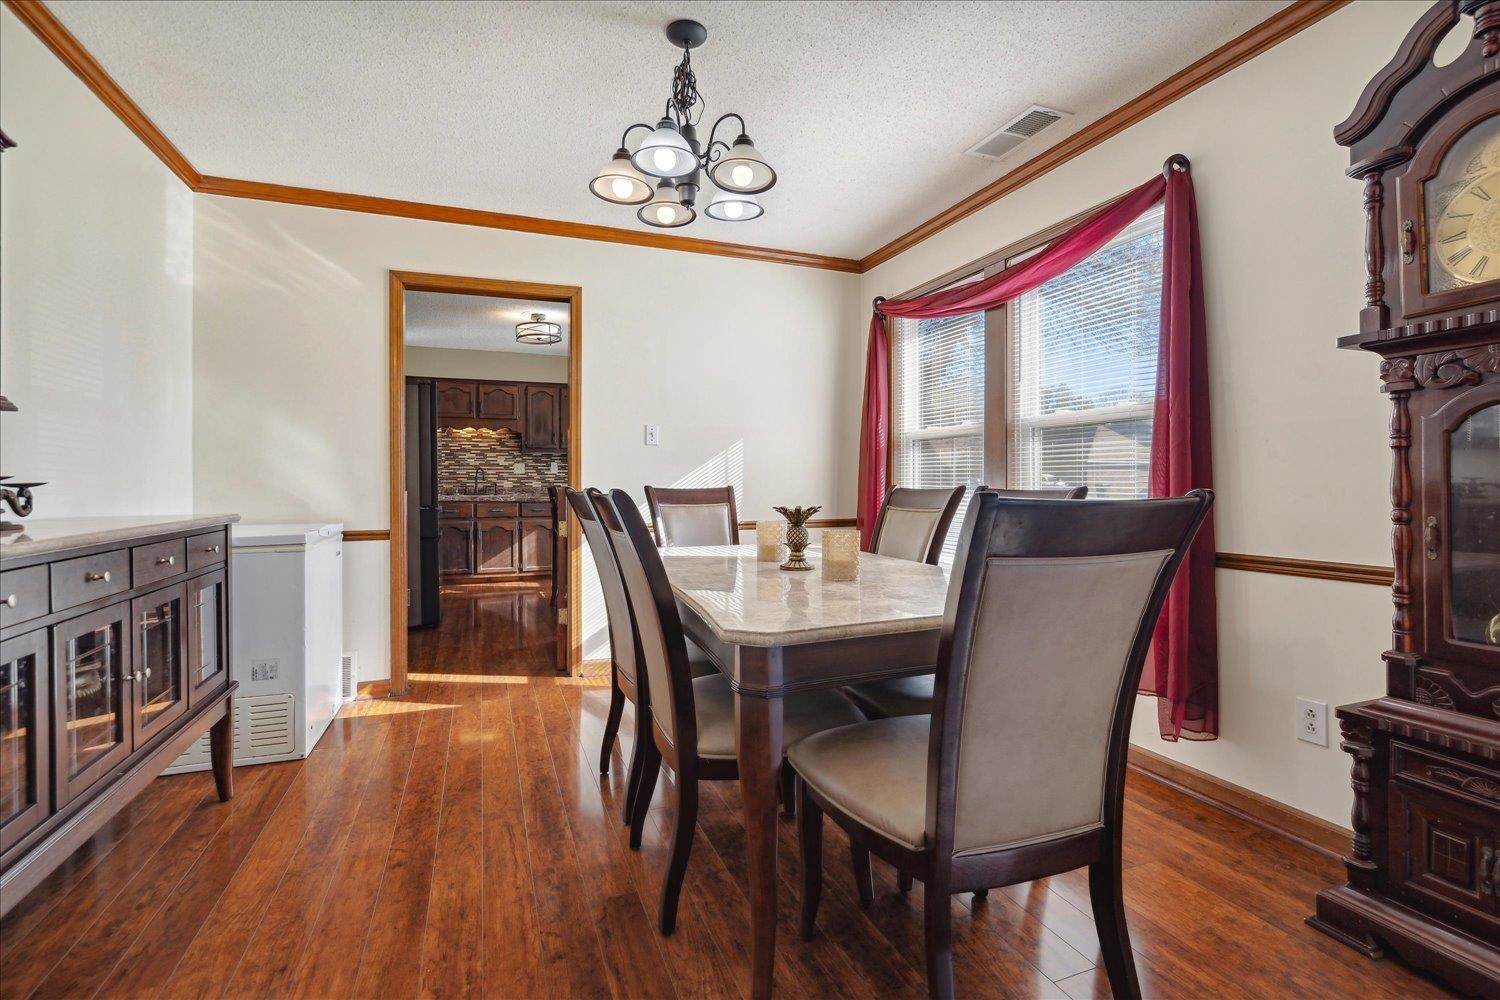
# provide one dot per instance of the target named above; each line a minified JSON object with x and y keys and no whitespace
{"x":1016,"y":131}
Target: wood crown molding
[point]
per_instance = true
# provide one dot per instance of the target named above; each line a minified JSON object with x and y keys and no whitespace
{"x":1312,"y":832}
{"x":1276,"y":28}
{"x":1315,"y":569}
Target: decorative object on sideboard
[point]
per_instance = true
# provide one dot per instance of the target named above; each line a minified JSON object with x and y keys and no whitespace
{"x":796,"y":536}
{"x":664,"y":173}
{"x":17,"y":496}
{"x":538,"y":331}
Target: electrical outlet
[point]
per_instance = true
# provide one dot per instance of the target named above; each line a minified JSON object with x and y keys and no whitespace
{"x":653,"y":434}
{"x":519,"y":468}
{"x":1312,"y":721}
{"x":552,"y":468}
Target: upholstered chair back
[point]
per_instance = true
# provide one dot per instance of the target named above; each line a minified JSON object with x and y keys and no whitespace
{"x":669,"y":688}
{"x":1046,"y":493}
{"x":914,"y":523}
{"x":694,"y":516}
{"x":622,"y":641}
{"x":1050,"y":610}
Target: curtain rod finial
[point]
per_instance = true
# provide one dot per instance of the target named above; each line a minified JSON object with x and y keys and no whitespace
{"x":879,"y":300}
{"x":1176,"y":162}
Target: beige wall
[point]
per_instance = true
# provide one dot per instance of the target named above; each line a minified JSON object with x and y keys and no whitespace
{"x":445,"y":362}
{"x":96,"y":237}
{"x":1299,"y":427}
{"x":739,"y":362}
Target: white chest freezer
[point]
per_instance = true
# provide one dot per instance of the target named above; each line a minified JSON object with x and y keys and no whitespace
{"x":287,"y":639}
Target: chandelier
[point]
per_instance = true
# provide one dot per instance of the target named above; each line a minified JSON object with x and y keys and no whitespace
{"x":664,"y":174}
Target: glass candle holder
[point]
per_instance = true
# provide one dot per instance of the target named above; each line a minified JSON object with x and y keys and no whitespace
{"x":768,"y":536}
{"x":841,"y":553}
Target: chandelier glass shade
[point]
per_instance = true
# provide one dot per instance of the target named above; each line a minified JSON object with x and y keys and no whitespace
{"x":620,"y":182}
{"x":539,"y":331}
{"x":665,"y":173}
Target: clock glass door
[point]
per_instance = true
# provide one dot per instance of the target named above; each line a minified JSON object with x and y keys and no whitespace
{"x":1474,"y":516}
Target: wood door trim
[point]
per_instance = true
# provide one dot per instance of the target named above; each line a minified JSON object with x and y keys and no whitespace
{"x":1313,"y":832}
{"x":1273,"y":30}
{"x":1315,"y":569}
{"x":401,"y":282}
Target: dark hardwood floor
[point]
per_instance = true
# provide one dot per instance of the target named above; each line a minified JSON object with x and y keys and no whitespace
{"x":499,"y":629}
{"x":461,"y":843}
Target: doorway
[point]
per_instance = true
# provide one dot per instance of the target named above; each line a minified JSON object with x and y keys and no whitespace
{"x":475,"y":511}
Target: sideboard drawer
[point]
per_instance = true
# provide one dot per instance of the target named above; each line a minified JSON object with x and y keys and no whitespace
{"x":207,"y":549}
{"x":162,"y":561}
{"x":88,"y":578}
{"x":23,"y":595}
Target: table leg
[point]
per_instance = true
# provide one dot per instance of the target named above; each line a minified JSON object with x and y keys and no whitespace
{"x":759,"y":724}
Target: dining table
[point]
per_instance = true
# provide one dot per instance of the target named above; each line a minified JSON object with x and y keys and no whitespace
{"x":775,"y":632}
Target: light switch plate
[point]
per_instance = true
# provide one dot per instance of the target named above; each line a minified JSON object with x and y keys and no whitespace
{"x":1312,"y":721}
{"x":653,"y":434}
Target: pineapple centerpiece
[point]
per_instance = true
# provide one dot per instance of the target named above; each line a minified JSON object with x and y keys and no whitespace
{"x":796,"y":535}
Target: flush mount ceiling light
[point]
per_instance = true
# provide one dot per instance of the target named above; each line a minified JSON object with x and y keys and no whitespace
{"x":538,"y":331}
{"x":671,"y":158}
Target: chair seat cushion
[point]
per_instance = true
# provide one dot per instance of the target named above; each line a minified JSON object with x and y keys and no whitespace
{"x":699,"y":662}
{"x":874,"y":771}
{"x":900,"y":696}
{"x":802,"y":715}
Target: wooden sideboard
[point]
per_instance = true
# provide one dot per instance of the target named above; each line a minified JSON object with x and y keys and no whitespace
{"x":537,"y":411}
{"x":114,"y":659}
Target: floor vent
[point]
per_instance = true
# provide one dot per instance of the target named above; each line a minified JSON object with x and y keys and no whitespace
{"x":1016,"y":131}
{"x":349,"y":677}
{"x":262,"y":729}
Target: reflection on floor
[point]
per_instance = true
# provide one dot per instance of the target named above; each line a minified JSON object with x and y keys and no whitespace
{"x":505,"y":630}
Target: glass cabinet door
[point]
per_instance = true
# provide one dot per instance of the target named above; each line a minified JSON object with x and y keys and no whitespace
{"x":161,"y":658}
{"x":208,"y":650}
{"x":24,"y":750}
{"x":1474,"y":528}
{"x":93,"y":676}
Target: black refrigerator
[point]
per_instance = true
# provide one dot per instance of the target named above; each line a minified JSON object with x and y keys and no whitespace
{"x":421,"y":504}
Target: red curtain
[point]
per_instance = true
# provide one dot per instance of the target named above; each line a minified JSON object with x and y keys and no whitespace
{"x":1185,"y":664}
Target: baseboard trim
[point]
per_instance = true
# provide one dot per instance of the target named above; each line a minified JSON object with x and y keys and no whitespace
{"x":1305,"y":829}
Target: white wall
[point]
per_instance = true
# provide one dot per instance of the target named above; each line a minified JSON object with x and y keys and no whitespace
{"x":518,"y":366}
{"x":96,"y":237}
{"x":1300,"y":458}
{"x":741,"y":363}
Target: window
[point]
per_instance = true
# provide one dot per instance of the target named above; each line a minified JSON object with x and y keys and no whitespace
{"x":938,"y":406}
{"x":1082,"y":355}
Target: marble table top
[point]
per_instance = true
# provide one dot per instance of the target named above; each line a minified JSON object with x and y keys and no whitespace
{"x":750,"y":603}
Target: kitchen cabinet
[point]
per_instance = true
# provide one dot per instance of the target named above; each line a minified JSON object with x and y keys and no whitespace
{"x":455,"y":398}
{"x":113,"y":661}
{"x":536,"y":545}
{"x":500,"y":400}
{"x":542,"y":430}
{"x":454,"y":546}
{"x":495,"y":546}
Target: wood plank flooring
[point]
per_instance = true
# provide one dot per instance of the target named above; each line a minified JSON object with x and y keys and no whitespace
{"x":460,"y":843}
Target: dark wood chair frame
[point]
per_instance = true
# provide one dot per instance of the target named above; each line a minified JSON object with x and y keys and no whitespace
{"x":1028,"y":528}
{"x":657,"y":496}
{"x":945,"y":519}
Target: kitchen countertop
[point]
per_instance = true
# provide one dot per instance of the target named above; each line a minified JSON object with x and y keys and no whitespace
{"x":59,"y":534}
{"x":498,"y":498}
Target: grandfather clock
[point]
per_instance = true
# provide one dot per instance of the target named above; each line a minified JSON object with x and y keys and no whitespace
{"x":1424,"y":868}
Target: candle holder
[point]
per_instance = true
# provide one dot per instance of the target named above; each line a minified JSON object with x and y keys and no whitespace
{"x":796,"y":536}
{"x":768,"y":536}
{"x":841,"y":554}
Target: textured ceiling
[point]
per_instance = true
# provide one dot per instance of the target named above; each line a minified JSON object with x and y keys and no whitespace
{"x":478,"y":322}
{"x":864,"y":109}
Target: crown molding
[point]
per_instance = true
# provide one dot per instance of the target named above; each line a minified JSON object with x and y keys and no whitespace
{"x":1273,"y":30}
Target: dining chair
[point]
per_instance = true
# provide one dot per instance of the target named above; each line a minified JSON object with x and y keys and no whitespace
{"x":624,"y":648}
{"x":913,"y":695}
{"x":913,"y":523}
{"x":691,"y":719}
{"x":694,"y":516}
{"x":1019,"y":773}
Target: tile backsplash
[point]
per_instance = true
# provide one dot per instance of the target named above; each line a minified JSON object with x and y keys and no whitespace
{"x":495,"y":453}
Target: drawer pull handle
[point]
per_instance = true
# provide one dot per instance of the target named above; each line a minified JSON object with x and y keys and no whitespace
{"x":211,"y":548}
{"x":96,"y":577}
{"x":10,"y":600}
{"x":1486,"y":879}
{"x":166,"y":560}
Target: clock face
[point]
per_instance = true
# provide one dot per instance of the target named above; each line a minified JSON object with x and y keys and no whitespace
{"x":1462,"y":209}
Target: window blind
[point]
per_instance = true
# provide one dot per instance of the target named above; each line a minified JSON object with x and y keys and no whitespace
{"x":1083,"y":352}
{"x":938,"y":409}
